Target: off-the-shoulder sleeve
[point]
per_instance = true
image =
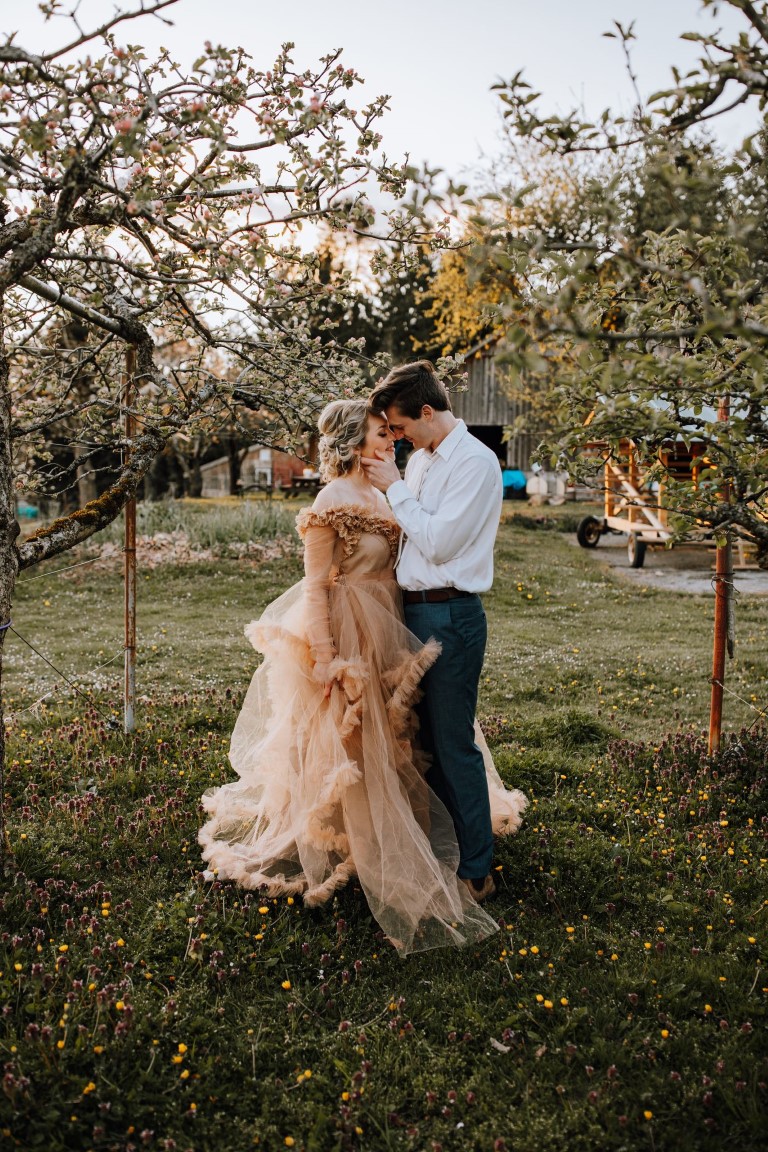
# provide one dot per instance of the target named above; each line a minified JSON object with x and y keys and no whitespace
{"x":349,"y":522}
{"x":319,"y":543}
{"x":320,"y":529}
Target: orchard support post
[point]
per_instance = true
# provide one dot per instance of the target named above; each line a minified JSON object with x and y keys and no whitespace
{"x":723,"y":589}
{"x":723,"y":582}
{"x":129,"y":691}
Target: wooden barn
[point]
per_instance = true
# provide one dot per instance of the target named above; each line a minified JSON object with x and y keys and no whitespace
{"x":487,"y":410}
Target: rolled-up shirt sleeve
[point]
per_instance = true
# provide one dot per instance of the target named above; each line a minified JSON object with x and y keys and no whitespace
{"x":445,"y":533}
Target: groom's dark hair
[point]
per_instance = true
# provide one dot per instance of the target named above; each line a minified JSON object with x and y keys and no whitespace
{"x":409,"y":388}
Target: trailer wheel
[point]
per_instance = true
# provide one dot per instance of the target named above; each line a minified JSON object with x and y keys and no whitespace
{"x":636,"y":549}
{"x":589,"y":531}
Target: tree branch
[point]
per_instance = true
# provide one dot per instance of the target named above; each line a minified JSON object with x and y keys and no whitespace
{"x":67,"y":531}
{"x":119,"y":18}
{"x":54,"y":295}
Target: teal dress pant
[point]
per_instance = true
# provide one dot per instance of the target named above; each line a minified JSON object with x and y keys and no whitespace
{"x":447,"y":722}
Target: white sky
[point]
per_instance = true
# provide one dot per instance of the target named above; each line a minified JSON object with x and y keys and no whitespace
{"x":436,"y":58}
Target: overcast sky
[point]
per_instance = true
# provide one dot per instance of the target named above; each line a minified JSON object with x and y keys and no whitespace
{"x":436,"y":58}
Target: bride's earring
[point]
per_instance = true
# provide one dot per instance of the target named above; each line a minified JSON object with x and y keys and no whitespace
{"x":359,"y":462}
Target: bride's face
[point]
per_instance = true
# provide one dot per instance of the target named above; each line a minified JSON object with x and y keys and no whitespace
{"x":378,"y":438}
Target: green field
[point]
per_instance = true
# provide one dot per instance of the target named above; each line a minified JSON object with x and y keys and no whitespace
{"x":622,"y":1004}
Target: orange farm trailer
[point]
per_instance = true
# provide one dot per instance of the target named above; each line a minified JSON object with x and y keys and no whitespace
{"x":631,"y":506}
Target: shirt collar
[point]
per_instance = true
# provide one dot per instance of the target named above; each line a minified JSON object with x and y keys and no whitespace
{"x":446,"y":447}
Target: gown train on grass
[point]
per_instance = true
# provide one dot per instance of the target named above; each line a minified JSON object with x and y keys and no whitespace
{"x":331,"y":788}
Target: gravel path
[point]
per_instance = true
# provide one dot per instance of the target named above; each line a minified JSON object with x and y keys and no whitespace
{"x":681,"y":569}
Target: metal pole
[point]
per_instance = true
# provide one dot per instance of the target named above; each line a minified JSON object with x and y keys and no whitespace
{"x":129,"y":692}
{"x":723,"y":586}
{"x":723,"y":581}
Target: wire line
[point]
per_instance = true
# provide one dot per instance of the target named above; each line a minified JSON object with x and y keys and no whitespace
{"x":63,"y":675}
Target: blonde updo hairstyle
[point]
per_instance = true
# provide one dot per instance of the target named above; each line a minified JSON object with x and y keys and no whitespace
{"x":343,"y":426}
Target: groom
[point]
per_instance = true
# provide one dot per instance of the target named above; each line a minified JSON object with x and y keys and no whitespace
{"x":448,"y":507}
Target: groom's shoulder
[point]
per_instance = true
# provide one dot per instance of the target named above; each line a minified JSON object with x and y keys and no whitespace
{"x":474,"y":447}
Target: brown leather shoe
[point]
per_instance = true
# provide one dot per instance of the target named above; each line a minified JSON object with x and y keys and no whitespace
{"x":484,"y":891}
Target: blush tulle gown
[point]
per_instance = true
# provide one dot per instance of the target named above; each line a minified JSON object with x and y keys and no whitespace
{"x":332,"y":788}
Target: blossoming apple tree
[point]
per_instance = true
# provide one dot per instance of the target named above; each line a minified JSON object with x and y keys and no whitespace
{"x":151,"y":262}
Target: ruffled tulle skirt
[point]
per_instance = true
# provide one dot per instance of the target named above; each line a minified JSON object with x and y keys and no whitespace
{"x":334,"y":788}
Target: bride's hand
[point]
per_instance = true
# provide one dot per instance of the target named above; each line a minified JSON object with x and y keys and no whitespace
{"x":322,"y":674}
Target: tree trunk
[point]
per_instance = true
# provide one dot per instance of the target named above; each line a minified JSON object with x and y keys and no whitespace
{"x":9,"y":560}
{"x":86,"y":479}
{"x":235,"y":458}
{"x":74,"y":337}
{"x":155,"y":480}
{"x":195,"y":474}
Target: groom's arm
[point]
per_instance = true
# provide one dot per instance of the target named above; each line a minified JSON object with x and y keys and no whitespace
{"x":381,"y":471}
{"x":440,"y":535}
{"x":472,"y":490}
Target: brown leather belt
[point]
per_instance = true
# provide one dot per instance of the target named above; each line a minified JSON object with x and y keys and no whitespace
{"x":434,"y":595}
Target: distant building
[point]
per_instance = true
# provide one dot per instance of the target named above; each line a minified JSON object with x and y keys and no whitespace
{"x":487,"y":410}
{"x":259,"y":468}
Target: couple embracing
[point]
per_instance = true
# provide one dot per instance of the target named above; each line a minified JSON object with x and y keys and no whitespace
{"x":357,"y":750}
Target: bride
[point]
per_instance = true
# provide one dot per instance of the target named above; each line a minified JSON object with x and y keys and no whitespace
{"x":331,"y":780}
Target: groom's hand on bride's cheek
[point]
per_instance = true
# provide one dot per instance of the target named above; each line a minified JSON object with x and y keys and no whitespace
{"x":381,"y":470}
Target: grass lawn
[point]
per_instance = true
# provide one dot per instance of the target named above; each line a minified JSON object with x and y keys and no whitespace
{"x":622,"y":1004}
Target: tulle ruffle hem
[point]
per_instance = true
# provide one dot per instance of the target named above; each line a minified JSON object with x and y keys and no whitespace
{"x":333,"y":788}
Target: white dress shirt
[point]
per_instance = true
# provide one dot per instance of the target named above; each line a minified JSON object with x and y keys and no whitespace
{"x":448,"y":506}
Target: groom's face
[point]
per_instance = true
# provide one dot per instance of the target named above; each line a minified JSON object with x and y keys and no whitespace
{"x":419,"y":431}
